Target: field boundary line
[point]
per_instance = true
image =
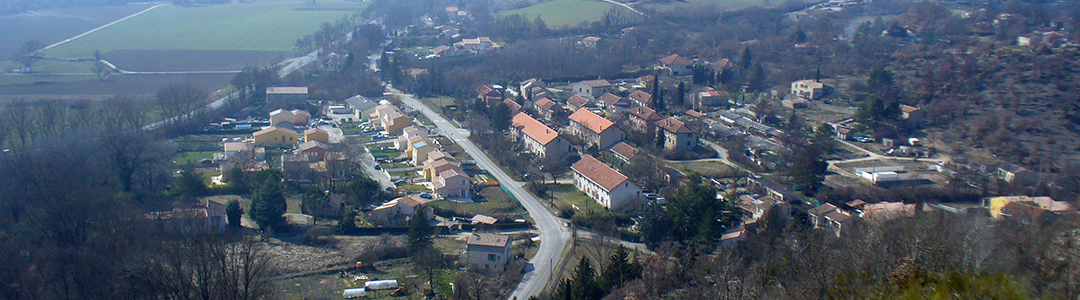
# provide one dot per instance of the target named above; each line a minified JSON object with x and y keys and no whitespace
{"x":99,"y":28}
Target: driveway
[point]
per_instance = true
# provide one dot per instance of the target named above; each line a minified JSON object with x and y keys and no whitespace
{"x":553,"y":235}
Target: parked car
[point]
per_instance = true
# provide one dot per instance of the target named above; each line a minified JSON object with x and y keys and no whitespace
{"x":378,"y":167}
{"x":426,"y":195}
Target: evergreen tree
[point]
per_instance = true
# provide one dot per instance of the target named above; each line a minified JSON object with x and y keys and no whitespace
{"x":680,"y":95}
{"x":808,"y":171}
{"x":348,"y":220}
{"x":268,"y":206}
{"x":314,"y":201}
{"x":233,"y":212}
{"x":500,"y":117}
{"x":584,"y":282}
{"x":746,"y":59}
{"x":619,"y":270}
{"x":420,"y":232}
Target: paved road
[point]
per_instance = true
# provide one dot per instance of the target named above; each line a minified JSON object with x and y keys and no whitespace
{"x":553,"y":234}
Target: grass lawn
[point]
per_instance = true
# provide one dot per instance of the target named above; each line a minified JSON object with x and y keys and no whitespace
{"x":270,"y":26}
{"x":414,"y":188}
{"x":560,"y":13}
{"x":194,"y":157}
{"x":495,"y":203}
{"x":707,"y":168}
{"x":566,"y":195}
{"x":395,"y":165}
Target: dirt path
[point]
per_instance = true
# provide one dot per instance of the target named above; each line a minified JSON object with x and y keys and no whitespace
{"x":99,"y":28}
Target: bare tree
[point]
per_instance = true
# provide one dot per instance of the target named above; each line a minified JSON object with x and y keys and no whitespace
{"x":19,"y":120}
{"x":28,"y":54}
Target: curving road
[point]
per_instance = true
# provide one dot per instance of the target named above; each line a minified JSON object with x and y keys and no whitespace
{"x":553,"y":234}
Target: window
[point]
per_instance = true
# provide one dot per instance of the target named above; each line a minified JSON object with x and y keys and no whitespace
{"x":493,"y":257}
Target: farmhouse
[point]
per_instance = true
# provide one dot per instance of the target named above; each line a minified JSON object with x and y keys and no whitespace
{"x":286,"y":97}
{"x":275,"y":136}
{"x":677,"y":136}
{"x":399,"y":211}
{"x":605,"y":185}
{"x":538,"y":138}
{"x":595,"y":129}
{"x":488,"y":251}
{"x":591,"y":88}
{"x":808,"y":89}
{"x":676,"y":65}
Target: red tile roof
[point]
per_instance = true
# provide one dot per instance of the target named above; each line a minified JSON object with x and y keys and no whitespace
{"x":641,"y":97}
{"x":695,"y":114}
{"x":597,"y":83}
{"x":624,"y":149}
{"x":534,"y":129}
{"x":545,"y":103}
{"x":675,"y":59}
{"x":610,"y":99}
{"x":578,"y":101}
{"x":514,"y":107}
{"x":645,"y":113}
{"x":674,"y":125}
{"x":590,"y":120}
{"x":599,"y":173}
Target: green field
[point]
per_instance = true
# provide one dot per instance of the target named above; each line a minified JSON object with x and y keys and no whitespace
{"x":273,"y":26}
{"x":560,"y":13}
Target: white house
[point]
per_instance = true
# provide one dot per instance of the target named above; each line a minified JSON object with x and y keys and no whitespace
{"x":591,"y":88}
{"x":677,"y":65}
{"x":605,"y":185}
{"x":594,"y":129}
{"x":538,"y":138}
{"x":677,"y":136}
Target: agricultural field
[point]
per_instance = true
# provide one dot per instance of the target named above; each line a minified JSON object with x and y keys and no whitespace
{"x":170,"y":38}
{"x":52,"y":26}
{"x":565,"y":13}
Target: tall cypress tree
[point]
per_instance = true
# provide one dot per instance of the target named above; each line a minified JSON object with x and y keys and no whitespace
{"x":268,"y":206}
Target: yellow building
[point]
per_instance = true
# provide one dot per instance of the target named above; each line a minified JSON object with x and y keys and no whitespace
{"x":271,"y":136}
{"x":317,"y":135}
{"x":392,"y":119}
